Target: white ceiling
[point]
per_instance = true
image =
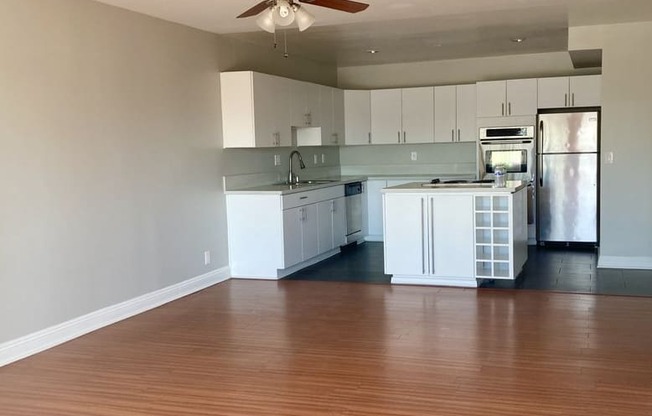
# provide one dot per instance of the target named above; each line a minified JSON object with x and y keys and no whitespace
{"x":407,"y":30}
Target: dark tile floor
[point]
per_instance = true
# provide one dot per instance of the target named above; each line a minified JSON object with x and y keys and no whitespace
{"x":554,"y":269}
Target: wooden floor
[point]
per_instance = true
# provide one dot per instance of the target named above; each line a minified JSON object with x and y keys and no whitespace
{"x":328,"y":348}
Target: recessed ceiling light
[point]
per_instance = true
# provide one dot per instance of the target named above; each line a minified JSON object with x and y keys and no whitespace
{"x":372,"y":51}
{"x":517,"y":40}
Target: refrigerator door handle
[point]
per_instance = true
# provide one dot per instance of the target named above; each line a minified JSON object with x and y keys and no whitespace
{"x":540,"y":149}
{"x":540,"y":171}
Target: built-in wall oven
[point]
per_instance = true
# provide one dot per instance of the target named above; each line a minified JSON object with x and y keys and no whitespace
{"x":514,"y":148}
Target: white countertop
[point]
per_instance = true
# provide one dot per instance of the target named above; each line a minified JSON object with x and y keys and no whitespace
{"x":284,"y":189}
{"x":512,"y":187}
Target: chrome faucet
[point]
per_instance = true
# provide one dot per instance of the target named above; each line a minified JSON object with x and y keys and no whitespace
{"x":292,"y":178}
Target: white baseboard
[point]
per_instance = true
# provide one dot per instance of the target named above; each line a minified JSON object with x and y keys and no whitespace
{"x":375,"y":238}
{"x":624,"y":262}
{"x":435,"y":281}
{"x":36,"y":342}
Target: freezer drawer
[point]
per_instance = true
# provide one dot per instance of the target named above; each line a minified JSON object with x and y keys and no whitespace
{"x":568,"y":198}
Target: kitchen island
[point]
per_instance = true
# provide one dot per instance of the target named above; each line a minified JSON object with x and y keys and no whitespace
{"x":454,"y":234}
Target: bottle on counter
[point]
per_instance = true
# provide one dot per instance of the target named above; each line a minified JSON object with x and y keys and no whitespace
{"x":500,"y":181}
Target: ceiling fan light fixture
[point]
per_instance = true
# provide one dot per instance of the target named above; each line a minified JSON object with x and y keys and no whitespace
{"x":266,"y":21}
{"x":303,"y":18}
{"x":283,"y":13}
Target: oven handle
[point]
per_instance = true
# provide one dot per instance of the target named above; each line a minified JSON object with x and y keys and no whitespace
{"x":499,"y":142}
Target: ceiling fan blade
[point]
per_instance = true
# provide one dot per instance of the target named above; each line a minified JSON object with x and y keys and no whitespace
{"x":255,"y":10}
{"x":342,"y":5}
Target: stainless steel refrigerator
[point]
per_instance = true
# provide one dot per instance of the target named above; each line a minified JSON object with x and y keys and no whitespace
{"x":567,"y":177}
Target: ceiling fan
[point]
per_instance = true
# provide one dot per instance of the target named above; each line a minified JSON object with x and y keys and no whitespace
{"x":284,"y":12}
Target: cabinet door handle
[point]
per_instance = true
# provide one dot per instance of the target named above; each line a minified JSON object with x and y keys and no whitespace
{"x":399,"y":137}
{"x":509,"y":109}
{"x":566,"y":100}
{"x":369,"y":137}
{"x":459,"y":136}
{"x":573,"y":99}
{"x":423,"y":239}
{"x":502,"y":111}
{"x":452,"y":135}
{"x":403,"y":137}
{"x":432,"y":236}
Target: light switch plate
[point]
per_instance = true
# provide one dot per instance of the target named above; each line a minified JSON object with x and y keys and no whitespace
{"x":609,"y":159}
{"x":315,"y":159}
{"x":323,"y":158}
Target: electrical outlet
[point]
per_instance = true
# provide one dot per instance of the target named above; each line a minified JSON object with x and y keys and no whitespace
{"x":610,"y":158}
{"x":323,"y":158}
{"x":277,"y":160}
{"x":207,"y":258}
{"x":413,"y":156}
{"x":315,"y":159}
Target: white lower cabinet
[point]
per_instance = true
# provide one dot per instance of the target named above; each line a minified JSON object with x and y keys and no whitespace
{"x":429,"y":235}
{"x":331,"y":229}
{"x":273,"y":235}
{"x":300,"y":234}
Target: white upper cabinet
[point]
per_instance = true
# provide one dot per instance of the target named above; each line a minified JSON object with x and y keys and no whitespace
{"x":338,"y":117}
{"x":455,"y":113}
{"x":417,"y":106}
{"x":305,"y":104}
{"x":466,"y":113}
{"x":445,"y":114}
{"x":357,"y":117}
{"x":326,"y":115}
{"x":517,"y":97}
{"x":255,"y":110}
{"x":330,"y":132}
{"x":402,"y":116}
{"x":386,"y":116}
{"x":563,"y":92}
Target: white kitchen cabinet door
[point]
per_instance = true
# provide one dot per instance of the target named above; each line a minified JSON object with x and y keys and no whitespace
{"x":339,"y":222}
{"x":514,"y":97}
{"x":338,"y":117}
{"x":586,"y":91}
{"x":405,"y":239}
{"x":521,"y":97}
{"x":552,"y":92}
{"x":386,"y":116}
{"x":466,"y":113}
{"x":325,"y":226}
{"x":292,"y":236}
{"x":305,"y":104}
{"x":326,"y":114}
{"x":375,"y":209}
{"x":491,"y":97}
{"x":446,"y":114}
{"x":255,"y":110}
{"x":417,"y":107}
{"x":451,"y":235}
{"x":564,"y":92}
{"x":331,"y":220}
{"x":357,"y":117}
{"x":310,"y":232}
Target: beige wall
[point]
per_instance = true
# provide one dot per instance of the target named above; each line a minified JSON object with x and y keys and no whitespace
{"x":626,"y":192}
{"x":111,"y":159}
{"x":458,"y":71}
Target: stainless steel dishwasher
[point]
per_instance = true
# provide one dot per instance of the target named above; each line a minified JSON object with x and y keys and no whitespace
{"x":353,"y":194}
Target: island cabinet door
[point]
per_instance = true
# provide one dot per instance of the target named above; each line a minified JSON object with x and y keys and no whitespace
{"x":451,"y":235}
{"x":405,"y":234}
